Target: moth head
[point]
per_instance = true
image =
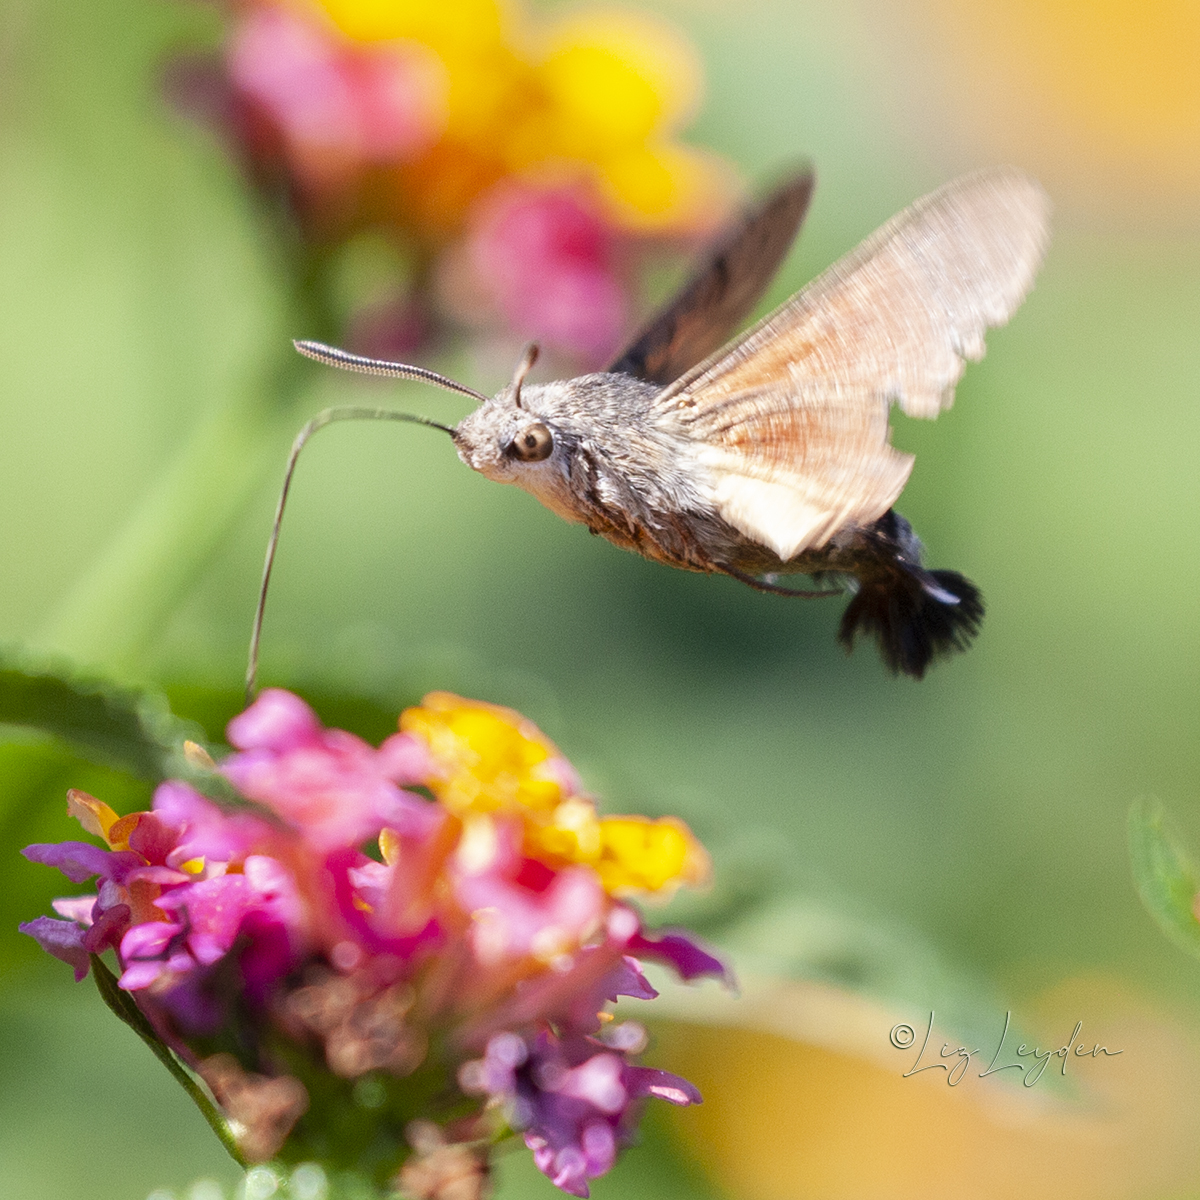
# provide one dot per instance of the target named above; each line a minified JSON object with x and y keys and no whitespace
{"x":506,"y":437}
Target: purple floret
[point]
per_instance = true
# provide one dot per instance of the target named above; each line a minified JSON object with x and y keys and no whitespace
{"x":682,"y":952}
{"x":63,"y":939}
{"x":81,"y":860}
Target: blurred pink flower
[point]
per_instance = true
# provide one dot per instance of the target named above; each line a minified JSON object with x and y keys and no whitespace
{"x":327,"y":96}
{"x":546,"y":259}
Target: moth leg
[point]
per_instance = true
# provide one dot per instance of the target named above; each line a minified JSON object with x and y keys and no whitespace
{"x":760,"y":585}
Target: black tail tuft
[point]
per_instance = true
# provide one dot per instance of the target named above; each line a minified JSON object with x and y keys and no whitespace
{"x":916,"y":616}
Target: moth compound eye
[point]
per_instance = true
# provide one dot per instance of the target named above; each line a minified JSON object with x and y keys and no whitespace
{"x":532,"y":444}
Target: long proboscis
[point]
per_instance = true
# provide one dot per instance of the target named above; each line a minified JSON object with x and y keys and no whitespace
{"x":328,"y":417}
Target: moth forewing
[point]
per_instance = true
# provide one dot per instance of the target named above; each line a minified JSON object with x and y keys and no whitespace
{"x":723,"y":291}
{"x":965,"y":255}
{"x":800,"y":400}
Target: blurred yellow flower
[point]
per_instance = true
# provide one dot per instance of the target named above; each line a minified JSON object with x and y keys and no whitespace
{"x":664,"y":185}
{"x":805,"y":1098}
{"x":1101,"y":96}
{"x":595,"y":97}
{"x":615,"y":78}
{"x":444,"y":25}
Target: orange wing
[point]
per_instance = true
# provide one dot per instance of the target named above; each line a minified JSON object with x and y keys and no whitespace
{"x":791,"y":421}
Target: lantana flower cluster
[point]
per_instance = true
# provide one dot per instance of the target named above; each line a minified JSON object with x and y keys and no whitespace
{"x":520,"y":165}
{"x":387,"y":979}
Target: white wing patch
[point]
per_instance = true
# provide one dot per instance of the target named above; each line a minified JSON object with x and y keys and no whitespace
{"x":791,"y":515}
{"x":773,"y":514}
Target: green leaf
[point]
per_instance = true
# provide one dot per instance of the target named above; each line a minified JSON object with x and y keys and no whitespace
{"x":118,"y":726}
{"x":128,"y":728}
{"x":126,"y":1010}
{"x":1165,"y":875}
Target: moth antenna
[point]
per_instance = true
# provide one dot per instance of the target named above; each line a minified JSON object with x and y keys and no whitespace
{"x":349,"y":413}
{"x":523,"y":368}
{"x":331,"y":356}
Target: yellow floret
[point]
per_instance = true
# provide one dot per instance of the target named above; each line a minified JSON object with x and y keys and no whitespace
{"x":490,"y":759}
{"x":94,"y":815}
{"x":441,"y":24}
{"x":614,"y":78}
{"x":487,"y":757}
{"x":638,"y":854}
{"x":664,"y":186}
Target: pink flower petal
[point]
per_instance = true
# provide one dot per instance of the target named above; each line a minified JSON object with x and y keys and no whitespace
{"x":403,"y":758}
{"x":277,"y":720}
{"x":375,"y":103}
{"x":546,"y":257}
{"x":75,"y":908}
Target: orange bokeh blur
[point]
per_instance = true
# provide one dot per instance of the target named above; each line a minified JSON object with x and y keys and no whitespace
{"x":827,"y":1114}
{"x":1101,"y":98}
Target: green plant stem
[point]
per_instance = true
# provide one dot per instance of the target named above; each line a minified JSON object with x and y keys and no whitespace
{"x":120,"y":604}
{"x":123,"y":1006}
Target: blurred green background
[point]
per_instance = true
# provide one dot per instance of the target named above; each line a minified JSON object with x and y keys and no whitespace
{"x":983,"y":807}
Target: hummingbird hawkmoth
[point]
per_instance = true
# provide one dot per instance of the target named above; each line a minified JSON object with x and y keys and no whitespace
{"x":771,"y":455}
